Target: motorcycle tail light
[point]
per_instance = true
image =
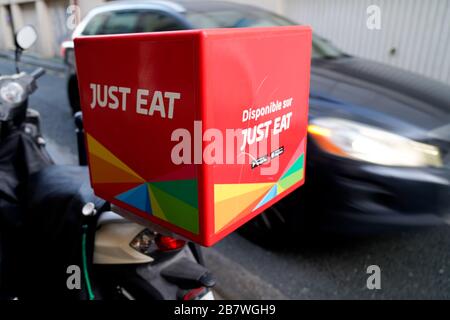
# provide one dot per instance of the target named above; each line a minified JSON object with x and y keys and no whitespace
{"x":166,"y":243}
{"x":195,"y":294}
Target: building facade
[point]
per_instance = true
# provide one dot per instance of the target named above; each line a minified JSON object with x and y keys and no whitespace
{"x":49,"y":17}
{"x":410,"y":34}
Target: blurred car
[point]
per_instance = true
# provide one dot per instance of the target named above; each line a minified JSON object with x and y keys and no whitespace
{"x":379,"y":137}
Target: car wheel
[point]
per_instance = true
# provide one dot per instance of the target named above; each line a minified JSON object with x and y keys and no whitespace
{"x":73,"y":94}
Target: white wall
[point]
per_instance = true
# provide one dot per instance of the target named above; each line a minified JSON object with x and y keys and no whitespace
{"x":418,"y":30}
{"x":58,"y":16}
{"x":29,"y":16}
{"x":87,"y":5}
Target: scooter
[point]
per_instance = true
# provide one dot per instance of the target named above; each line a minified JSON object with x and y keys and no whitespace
{"x":77,"y":246}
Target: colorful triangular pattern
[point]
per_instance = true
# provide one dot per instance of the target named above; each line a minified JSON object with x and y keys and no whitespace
{"x":173,"y":201}
{"x":137,"y":197}
{"x":232,"y":201}
{"x":269,"y":196}
{"x":105,"y":167}
{"x":167,"y":199}
{"x":181,"y":211}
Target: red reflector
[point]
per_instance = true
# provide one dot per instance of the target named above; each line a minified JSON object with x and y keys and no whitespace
{"x":166,"y":243}
{"x":194,"y":293}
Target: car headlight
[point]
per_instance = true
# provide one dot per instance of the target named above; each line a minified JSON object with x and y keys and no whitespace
{"x":358,"y":141}
{"x":12,"y":92}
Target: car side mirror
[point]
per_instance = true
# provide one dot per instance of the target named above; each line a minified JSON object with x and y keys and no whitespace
{"x":26,"y":37}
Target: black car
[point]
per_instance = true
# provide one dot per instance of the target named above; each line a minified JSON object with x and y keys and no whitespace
{"x":379,"y":137}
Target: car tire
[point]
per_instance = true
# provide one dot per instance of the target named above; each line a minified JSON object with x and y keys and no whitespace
{"x":73,"y":94}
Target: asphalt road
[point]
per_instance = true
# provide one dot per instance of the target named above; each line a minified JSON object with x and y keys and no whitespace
{"x":414,"y":265}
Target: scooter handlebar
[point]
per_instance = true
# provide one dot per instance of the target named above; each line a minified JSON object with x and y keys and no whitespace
{"x":36,"y":74}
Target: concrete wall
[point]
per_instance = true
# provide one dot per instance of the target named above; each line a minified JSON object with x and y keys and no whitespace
{"x":6,"y":40}
{"x":58,"y":17}
{"x":414,"y":34}
{"x":49,"y":17}
{"x":87,"y":5}
{"x":28,"y":16}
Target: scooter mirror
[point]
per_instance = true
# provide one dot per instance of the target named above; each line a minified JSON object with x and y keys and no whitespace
{"x":26,"y":37}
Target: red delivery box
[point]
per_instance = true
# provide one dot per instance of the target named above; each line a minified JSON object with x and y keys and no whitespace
{"x":197,"y":131}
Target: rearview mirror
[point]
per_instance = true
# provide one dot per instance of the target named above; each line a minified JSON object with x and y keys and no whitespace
{"x":26,"y":37}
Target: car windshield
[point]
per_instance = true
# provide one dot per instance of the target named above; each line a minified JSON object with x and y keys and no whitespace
{"x":232,"y":18}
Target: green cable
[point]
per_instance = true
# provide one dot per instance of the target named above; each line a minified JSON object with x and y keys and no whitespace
{"x":85,"y":270}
